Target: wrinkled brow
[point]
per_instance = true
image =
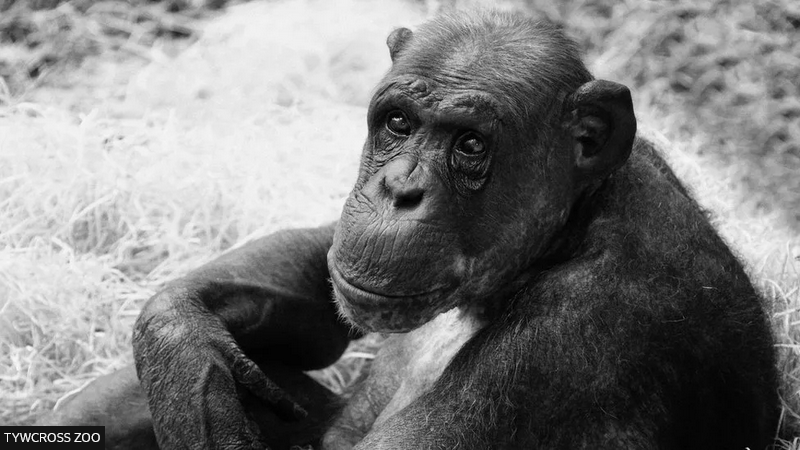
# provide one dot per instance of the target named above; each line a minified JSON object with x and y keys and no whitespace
{"x":470,"y":104}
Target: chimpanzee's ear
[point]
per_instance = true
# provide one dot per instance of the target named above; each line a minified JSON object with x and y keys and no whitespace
{"x":397,"y":41}
{"x":603,"y":127}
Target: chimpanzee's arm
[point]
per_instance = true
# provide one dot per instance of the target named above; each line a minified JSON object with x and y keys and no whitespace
{"x":270,"y":298}
{"x":272,"y":295}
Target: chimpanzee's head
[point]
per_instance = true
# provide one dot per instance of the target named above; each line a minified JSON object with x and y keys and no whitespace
{"x":481,"y":137}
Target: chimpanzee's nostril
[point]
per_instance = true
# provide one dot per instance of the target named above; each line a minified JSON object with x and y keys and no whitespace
{"x":408,"y":198}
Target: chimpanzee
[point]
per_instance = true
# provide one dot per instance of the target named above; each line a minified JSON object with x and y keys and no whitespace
{"x":545,"y":279}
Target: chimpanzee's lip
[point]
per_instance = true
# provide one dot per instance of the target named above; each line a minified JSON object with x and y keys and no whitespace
{"x":371,"y":301}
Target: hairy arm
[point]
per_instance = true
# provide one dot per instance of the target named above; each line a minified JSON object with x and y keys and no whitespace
{"x":193,"y":340}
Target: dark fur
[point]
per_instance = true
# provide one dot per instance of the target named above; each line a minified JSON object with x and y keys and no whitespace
{"x":519,"y":62}
{"x":646,"y":333}
{"x":606,"y":310}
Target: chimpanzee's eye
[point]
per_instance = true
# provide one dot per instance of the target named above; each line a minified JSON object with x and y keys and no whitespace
{"x":470,"y":144}
{"x":397,"y":123}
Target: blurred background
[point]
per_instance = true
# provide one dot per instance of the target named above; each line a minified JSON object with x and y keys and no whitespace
{"x":140,"y":138}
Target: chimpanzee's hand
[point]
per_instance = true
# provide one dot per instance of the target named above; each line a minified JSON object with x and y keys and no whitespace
{"x":192,"y":371}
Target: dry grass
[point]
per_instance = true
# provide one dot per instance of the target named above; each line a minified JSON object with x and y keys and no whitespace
{"x":116,"y":178}
{"x":123,"y":165}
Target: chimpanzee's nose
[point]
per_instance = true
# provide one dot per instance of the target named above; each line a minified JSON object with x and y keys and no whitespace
{"x":404,"y":180}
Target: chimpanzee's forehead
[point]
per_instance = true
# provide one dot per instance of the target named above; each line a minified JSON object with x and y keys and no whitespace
{"x":463,"y":94}
{"x":443,"y":97}
{"x":526,"y":66}
{"x":463,"y":68}
{"x":507,"y":83}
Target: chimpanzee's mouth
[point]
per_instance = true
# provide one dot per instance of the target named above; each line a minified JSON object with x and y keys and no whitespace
{"x":376,"y":300}
{"x":387,"y":313}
